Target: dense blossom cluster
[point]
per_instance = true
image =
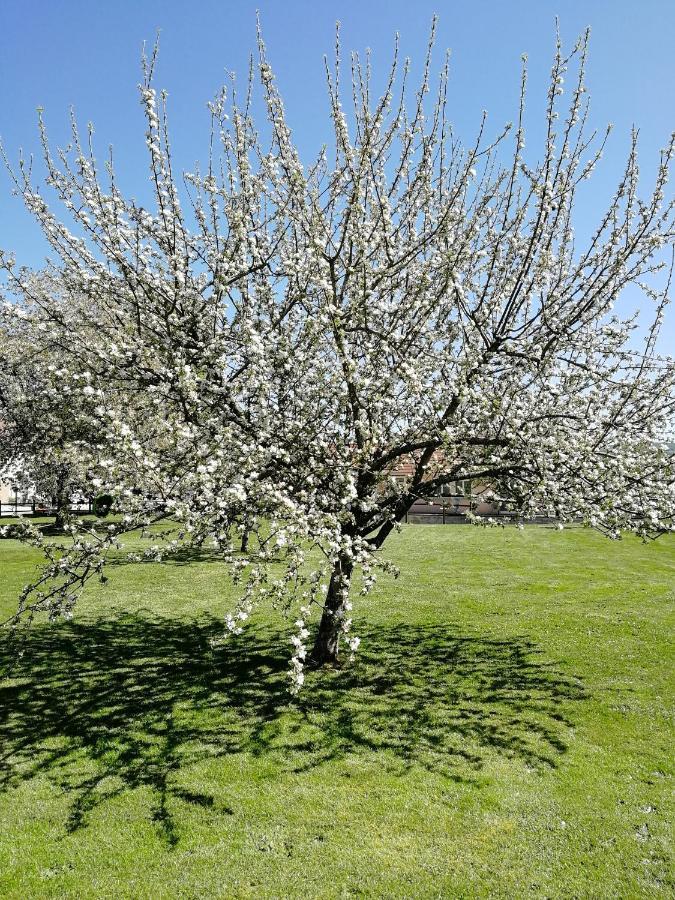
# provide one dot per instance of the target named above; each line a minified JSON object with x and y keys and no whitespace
{"x":256,"y":354}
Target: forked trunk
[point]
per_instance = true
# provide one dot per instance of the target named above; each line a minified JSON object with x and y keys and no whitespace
{"x":327,"y":642}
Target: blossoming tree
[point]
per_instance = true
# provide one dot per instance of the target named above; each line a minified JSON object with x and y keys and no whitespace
{"x":44,"y":441}
{"x":266,"y":360}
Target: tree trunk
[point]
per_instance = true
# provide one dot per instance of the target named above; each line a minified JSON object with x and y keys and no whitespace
{"x":244,"y":540}
{"x":62,"y":502}
{"x":246,"y":531}
{"x":327,"y":642}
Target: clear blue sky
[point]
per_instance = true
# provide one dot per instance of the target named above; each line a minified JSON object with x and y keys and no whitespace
{"x":58,"y":53}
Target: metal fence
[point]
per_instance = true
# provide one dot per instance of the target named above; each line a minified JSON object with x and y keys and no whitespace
{"x":445,"y":510}
{"x":453,"y":508}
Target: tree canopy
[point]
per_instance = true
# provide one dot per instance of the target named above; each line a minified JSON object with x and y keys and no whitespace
{"x":262,"y":349}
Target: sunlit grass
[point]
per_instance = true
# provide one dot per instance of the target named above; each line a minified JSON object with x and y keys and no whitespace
{"x":505,"y":731}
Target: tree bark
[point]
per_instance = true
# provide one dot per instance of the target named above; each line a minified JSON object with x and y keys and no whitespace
{"x":327,"y":642}
{"x":246,"y":532}
{"x":62,"y":502}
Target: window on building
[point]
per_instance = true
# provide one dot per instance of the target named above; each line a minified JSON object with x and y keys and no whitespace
{"x":461,"y":488}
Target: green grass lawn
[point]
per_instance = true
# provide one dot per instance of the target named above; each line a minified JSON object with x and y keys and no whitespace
{"x":506,"y":731}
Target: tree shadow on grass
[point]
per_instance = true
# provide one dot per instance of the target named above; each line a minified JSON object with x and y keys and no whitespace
{"x":106,"y":706}
{"x":185,"y":556}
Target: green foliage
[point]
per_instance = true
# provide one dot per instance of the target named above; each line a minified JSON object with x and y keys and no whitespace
{"x":504,"y":731}
{"x":102,"y":505}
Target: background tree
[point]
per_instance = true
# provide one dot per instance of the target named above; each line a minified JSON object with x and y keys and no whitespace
{"x":43,"y":439}
{"x":304,"y":330}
